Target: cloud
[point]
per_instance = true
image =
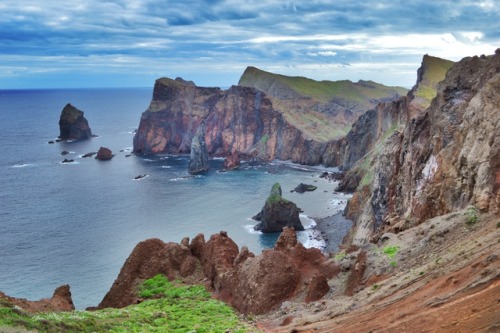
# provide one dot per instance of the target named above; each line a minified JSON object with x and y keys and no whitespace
{"x":212,"y":41}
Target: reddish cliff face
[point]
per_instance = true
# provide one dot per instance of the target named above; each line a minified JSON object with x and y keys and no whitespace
{"x":240,"y":120}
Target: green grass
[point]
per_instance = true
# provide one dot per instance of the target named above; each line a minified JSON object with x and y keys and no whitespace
{"x":471,"y":216}
{"x":391,"y":251}
{"x":181,"y":308}
{"x":435,"y":71}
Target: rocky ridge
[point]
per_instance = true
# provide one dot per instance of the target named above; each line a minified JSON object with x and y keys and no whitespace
{"x":252,"y":284}
{"x":241,"y":120}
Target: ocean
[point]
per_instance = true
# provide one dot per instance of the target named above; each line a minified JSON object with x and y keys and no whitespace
{"x":76,"y":223}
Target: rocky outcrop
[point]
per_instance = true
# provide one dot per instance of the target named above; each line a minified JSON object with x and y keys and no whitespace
{"x":104,"y":154}
{"x":251,"y":284}
{"x":444,"y":159}
{"x":232,"y":162}
{"x":242,"y":120}
{"x":60,"y":301}
{"x":73,"y":125}
{"x":198,"y":161}
{"x":301,"y":188}
{"x":278,"y":213}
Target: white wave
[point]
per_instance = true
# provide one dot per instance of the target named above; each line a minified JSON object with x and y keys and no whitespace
{"x":249,"y":228}
{"x":23,"y":165}
{"x":166,"y":166}
{"x":311,"y":236}
{"x":148,"y":160}
{"x":128,"y":149}
{"x":219,"y":158}
{"x":184,"y":178}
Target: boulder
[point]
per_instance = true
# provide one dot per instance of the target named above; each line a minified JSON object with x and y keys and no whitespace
{"x":104,"y":154}
{"x":73,"y":125}
{"x":278,"y":213}
{"x":198,"y":161}
{"x":232,"y":162}
{"x":301,"y":188}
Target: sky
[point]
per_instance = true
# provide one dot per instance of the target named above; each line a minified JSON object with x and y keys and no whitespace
{"x":131,"y":43}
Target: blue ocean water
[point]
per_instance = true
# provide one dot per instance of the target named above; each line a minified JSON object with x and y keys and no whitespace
{"x":76,"y":223}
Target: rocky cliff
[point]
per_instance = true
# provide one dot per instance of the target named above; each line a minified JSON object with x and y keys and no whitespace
{"x":245,"y":121}
{"x":323,"y":110}
{"x":73,"y":125}
{"x":445,"y":158}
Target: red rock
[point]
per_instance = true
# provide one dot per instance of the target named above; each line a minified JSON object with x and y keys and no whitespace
{"x":61,"y":301}
{"x":104,"y":154}
{"x":232,"y":161}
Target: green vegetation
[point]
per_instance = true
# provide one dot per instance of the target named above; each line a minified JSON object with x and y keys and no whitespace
{"x":498,"y":224}
{"x":181,"y":308}
{"x":275,"y":194}
{"x":393,"y":263}
{"x":341,"y":255}
{"x":472,"y":216}
{"x":323,"y":91}
{"x":375,"y":287}
{"x":391,"y":251}
{"x":434,"y":71}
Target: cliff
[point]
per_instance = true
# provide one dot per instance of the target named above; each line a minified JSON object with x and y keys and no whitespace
{"x":323,"y":110}
{"x":444,"y":159}
{"x":245,"y":121}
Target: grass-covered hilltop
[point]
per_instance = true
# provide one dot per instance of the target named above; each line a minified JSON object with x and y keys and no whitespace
{"x":423,"y":252}
{"x":166,"y":307}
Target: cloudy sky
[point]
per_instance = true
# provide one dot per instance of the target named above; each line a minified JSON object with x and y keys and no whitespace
{"x":117,"y":43}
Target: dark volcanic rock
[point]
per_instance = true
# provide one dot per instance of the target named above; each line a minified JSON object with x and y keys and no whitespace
{"x":67,"y":161}
{"x":301,"y":188}
{"x":73,"y":125}
{"x":64,"y":152}
{"x":89,"y":154}
{"x":198,"y":161}
{"x":104,"y":154}
{"x":278,"y":213}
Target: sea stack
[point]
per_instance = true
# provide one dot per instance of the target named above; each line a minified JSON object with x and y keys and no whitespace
{"x":73,"y":125}
{"x":198,"y":161}
{"x":278,"y":213}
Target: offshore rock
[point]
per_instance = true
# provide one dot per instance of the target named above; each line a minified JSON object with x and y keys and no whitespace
{"x":198,"y":161}
{"x":278,"y":213}
{"x":73,"y":125}
{"x":301,"y":188}
{"x":104,"y":154}
{"x":232,"y":162}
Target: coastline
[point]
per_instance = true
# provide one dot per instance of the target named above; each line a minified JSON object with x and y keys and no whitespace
{"x":332,"y":230}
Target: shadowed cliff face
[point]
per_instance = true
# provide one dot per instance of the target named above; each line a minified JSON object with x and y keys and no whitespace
{"x":444,"y":159}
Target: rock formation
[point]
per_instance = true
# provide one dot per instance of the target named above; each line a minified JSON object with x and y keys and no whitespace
{"x":444,"y":159}
{"x":301,"y":188}
{"x":242,"y":120}
{"x":198,"y":161}
{"x":60,"y":301}
{"x":232,"y":162}
{"x":104,"y":154}
{"x":278,"y":213}
{"x":252,"y":284}
{"x":73,"y":125}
